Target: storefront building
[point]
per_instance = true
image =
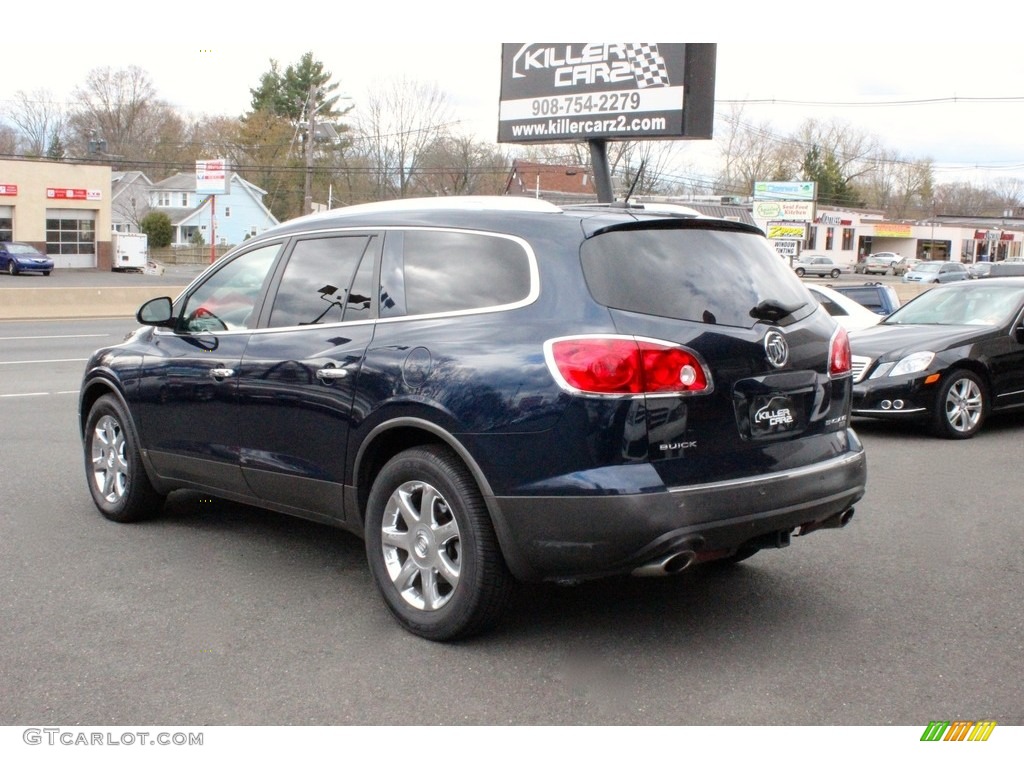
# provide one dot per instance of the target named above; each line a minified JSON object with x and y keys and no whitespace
{"x":63,"y":209}
{"x":849,"y":236}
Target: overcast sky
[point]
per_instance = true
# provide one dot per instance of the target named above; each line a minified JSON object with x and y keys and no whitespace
{"x":907,"y":80}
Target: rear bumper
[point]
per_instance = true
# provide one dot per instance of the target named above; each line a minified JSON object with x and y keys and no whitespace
{"x":575,"y":537}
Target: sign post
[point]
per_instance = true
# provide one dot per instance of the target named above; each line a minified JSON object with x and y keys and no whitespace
{"x":212,"y":178}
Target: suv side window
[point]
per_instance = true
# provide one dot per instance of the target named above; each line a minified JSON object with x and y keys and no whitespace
{"x":225,"y":301}
{"x":317,"y":284}
{"x":447,"y":271}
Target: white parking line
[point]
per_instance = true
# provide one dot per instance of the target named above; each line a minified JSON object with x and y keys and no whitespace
{"x":69,"y":336}
{"x":40,"y":394}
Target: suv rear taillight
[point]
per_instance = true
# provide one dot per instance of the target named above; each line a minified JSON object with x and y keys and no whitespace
{"x":839,"y":363}
{"x":625,"y":365}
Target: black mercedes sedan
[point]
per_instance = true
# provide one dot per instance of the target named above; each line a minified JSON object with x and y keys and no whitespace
{"x":949,"y":358}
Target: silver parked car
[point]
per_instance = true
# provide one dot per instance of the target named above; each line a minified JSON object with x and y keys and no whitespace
{"x":821,"y":266}
{"x":937,"y":272}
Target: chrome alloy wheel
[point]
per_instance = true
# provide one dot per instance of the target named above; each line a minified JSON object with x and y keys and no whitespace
{"x":422,"y":546}
{"x":964,"y":405}
{"x":109,"y":466}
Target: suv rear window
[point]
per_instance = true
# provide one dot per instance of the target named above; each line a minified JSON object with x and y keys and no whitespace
{"x":703,"y":275}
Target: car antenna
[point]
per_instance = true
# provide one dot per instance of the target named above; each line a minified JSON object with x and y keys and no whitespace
{"x":636,"y":179}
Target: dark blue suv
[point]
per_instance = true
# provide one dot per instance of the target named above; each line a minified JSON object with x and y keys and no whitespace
{"x":490,"y":390}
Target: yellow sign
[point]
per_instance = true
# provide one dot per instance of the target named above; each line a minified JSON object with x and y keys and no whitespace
{"x":892,"y":230}
{"x":780,"y":230}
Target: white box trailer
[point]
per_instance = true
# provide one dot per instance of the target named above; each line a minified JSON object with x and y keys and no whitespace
{"x":130,"y":250}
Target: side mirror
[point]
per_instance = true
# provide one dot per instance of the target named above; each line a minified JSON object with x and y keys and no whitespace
{"x":156,"y":312}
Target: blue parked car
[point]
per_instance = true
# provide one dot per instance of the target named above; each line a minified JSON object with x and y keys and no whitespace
{"x":16,"y":258}
{"x":490,"y":390}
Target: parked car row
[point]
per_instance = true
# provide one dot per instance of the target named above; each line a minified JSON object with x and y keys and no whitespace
{"x":493,"y":390}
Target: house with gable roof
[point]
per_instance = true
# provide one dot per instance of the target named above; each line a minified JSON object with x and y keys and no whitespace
{"x":129,"y":200}
{"x":240,"y":213}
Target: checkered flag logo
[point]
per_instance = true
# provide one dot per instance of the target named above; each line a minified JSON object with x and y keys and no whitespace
{"x":648,"y":66}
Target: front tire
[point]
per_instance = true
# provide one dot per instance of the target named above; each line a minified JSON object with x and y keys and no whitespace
{"x":431,"y":547}
{"x":12,"y":268}
{"x":117,"y":480}
{"x":960,"y":406}
{"x":834,"y":274}
{"x":800,"y":272}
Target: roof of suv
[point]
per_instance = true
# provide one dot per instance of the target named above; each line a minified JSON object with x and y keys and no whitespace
{"x":463,"y":210}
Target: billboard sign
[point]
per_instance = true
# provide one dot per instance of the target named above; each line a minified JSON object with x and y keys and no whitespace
{"x":212,"y":177}
{"x":554,"y":92}
{"x":785,"y":190}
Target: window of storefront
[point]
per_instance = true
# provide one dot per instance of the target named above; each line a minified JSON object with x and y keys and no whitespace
{"x":847,"y":239}
{"x":830,"y":234}
{"x":812,"y":238}
{"x":6,"y":224}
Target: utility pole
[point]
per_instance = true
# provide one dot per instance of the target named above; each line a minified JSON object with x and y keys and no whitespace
{"x":307,"y":200}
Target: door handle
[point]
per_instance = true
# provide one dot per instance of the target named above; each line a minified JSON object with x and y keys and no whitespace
{"x":331,"y":374}
{"x":222,"y":373}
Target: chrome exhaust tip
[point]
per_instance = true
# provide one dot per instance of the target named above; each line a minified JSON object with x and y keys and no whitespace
{"x":667,"y":565}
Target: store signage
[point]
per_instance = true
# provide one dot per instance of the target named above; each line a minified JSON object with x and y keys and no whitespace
{"x":63,"y":193}
{"x":785,"y":190}
{"x":783,"y":210}
{"x":892,"y":230}
{"x":785,"y":230}
{"x":786,"y":248}
{"x":212,"y":177}
{"x":8,"y":189}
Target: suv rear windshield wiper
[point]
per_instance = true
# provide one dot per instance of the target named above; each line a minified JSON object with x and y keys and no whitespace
{"x":772,"y":311}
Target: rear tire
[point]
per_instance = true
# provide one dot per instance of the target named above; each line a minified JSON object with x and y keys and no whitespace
{"x":12,"y":268}
{"x":834,"y":274}
{"x":117,"y":479}
{"x":431,"y":546}
{"x":800,"y":272}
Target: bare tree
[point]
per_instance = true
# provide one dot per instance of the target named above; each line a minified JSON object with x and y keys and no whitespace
{"x":9,"y":140}
{"x":754,"y":152}
{"x":461,"y":165}
{"x":1010,"y":192}
{"x":121,"y":108}
{"x":855,"y":153}
{"x":40,"y":120}
{"x":899,"y":186}
{"x":400,"y":123}
{"x":965,"y":199}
